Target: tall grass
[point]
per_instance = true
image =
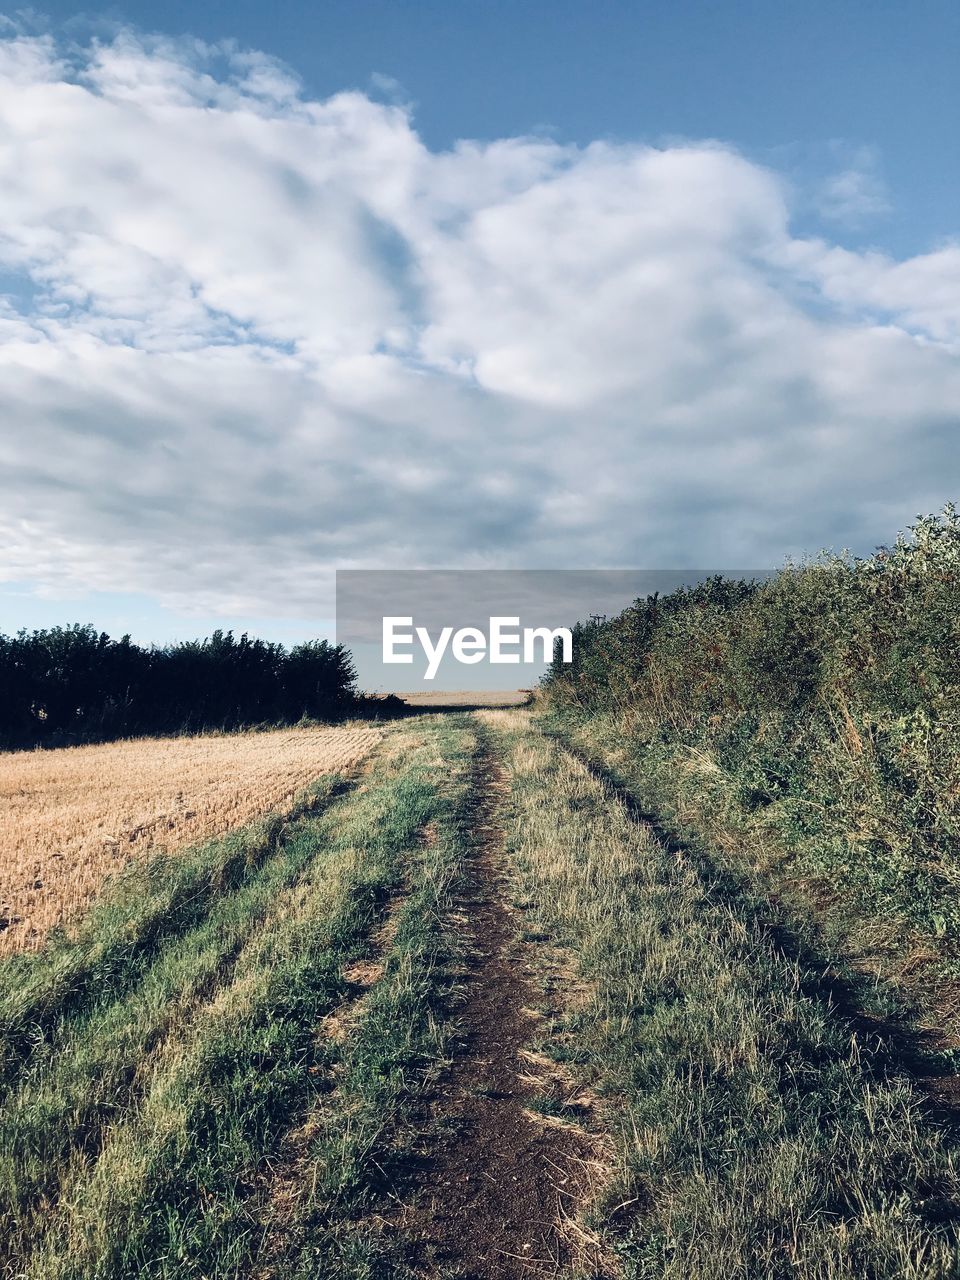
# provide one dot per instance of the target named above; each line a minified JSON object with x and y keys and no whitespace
{"x":819,"y":710}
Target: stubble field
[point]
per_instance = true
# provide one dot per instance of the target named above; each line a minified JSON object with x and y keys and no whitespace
{"x":73,"y":815}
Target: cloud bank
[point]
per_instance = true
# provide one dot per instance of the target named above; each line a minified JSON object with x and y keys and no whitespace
{"x":247,"y":338}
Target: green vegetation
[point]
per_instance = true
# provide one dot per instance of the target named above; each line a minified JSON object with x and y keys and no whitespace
{"x":758,"y":1134}
{"x":148,"y":1129}
{"x":75,"y":684}
{"x":184,"y":897}
{"x":808,"y":725}
{"x":358,"y":1142}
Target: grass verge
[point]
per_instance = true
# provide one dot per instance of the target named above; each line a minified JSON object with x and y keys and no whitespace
{"x":759,"y":1134}
{"x":896,"y":972}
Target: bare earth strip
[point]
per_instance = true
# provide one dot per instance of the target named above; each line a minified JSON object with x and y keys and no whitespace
{"x":71,"y":816}
{"x":497,"y":1185}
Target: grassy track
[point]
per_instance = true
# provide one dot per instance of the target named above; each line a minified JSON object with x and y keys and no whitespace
{"x":237,"y":1068}
{"x":154,"y":1100}
{"x":759,"y":1136}
{"x":355,"y":1140}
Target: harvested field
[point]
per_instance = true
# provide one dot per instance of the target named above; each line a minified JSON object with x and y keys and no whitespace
{"x":69,"y":817}
{"x":466,"y":699}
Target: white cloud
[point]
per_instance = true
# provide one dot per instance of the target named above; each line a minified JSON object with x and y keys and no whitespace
{"x":250,"y":337}
{"x":921,"y":294}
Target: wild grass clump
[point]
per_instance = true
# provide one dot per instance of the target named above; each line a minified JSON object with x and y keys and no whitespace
{"x":820,"y":707}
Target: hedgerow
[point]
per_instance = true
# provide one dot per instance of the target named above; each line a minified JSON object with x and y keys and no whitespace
{"x":822,"y":705}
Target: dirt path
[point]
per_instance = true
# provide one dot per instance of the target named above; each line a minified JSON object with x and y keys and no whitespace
{"x":497,"y":1182}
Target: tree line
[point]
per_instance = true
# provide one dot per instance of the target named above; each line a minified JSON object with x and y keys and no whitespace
{"x":76,"y":684}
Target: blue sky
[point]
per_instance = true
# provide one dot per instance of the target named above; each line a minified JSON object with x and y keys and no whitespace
{"x":692,"y":289}
{"x":793,"y":82}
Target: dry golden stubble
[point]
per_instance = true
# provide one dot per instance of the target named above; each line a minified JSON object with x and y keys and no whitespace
{"x":69,"y":817}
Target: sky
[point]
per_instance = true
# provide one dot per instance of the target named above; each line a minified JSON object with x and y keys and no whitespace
{"x":286,"y":289}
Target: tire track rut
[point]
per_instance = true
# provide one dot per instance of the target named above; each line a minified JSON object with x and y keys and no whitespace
{"x":497,"y":1185}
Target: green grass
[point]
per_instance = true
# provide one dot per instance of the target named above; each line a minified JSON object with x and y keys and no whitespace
{"x":117,"y":943}
{"x":134,"y":1141}
{"x":361,"y":1142}
{"x":758,"y":1134}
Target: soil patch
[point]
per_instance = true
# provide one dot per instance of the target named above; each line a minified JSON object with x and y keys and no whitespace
{"x":497,"y":1190}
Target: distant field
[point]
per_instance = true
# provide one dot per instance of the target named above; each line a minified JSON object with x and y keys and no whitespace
{"x":467,"y":698}
{"x":71,"y":816}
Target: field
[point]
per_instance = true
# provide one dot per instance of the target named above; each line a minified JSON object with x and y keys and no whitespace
{"x":72,"y":816}
{"x":466,"y":698}
{"x":466,"y":1010}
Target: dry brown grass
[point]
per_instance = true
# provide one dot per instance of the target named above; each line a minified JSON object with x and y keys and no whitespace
{"x":69,"y":817}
